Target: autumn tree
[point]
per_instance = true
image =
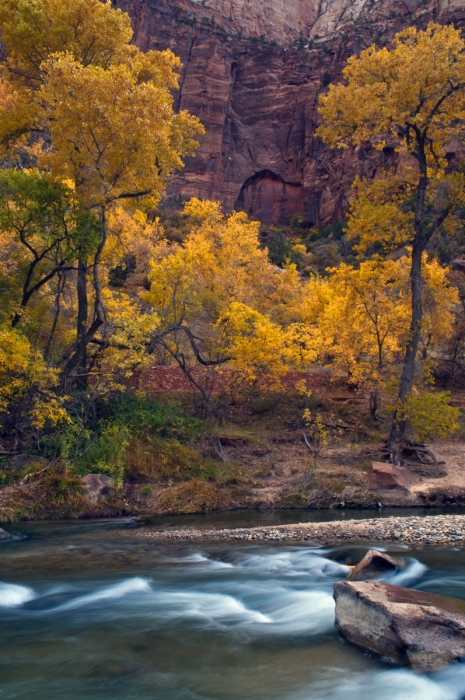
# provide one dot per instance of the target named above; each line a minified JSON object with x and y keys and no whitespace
{"x":115,"y":136}
{"x":222,"y":303}
{"x":412,"y":97}
{"x":365,"y":319}
{"x":27,"y":388}
{"x":89,"y":30}
{"x":99,"y":115}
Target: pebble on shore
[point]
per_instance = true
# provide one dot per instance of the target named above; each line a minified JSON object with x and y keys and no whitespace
{"x":420,"y":531}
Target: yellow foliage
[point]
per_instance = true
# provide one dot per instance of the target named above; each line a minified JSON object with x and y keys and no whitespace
{"x":440,"y":300}
{"x":113,"y":134}
{"x":221,"y":283}
{"x":25,"y":380}
{"x":388,"y":94}
{"x":17,"y":113}
{"x":131,"y":232}
{"x":90,"y":30}
{"x":203,"y":210}
{"x":255,"y":345}
{"x":365,"y":318}
{"x":220,"y":262}
{"x":316,"y":437}
{"x":126,"y":336}
{"x":376,"y":215}
{"x":430,"y":415}
{"x":303,"y":344}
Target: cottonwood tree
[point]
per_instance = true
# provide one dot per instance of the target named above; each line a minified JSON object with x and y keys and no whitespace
{"x":223,"y":304}
{"x":365,"y":317}
{"x":114,"y":134}
{"x":411,"y":97}
{"x":99,"y":116}
{"x":27,"y":388}
{"x":91,"y":31}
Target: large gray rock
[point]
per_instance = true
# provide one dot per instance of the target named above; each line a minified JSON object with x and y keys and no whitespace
{"x":373,"y":565}
{"x":4,"y":535}
{"x":97,"y":487}
{"x":387,"y":476}
{"x":23,"y":461}
{"x":411,"y":628}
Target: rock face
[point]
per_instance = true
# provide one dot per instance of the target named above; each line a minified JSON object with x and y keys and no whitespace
{"x":386,"y":476}
{"x":252,"y":72}
{"x":373,"y":564}
{"x":97,"y":487}
{"x":412,"y":628}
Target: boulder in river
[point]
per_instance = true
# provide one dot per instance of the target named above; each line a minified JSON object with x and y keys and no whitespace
{"x":411,"y":628}
{"x":4,"y":535}
{"x":97,"y":487}
{"x":373,"y":564}
{"x":387,"y":476}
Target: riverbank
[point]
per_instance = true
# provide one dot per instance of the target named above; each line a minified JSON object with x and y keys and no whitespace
{"x":414,"y":531}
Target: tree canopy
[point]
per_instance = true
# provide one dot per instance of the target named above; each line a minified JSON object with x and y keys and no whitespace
{"x":410,"y":97}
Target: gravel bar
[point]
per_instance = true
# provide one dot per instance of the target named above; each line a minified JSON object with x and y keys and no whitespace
{"x":426,"y":530}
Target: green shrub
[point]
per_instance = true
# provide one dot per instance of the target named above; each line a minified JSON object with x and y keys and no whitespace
{"x":97,"y":441}
{"x":62,"y":488}
{"x":146,"y":491}
{"x":149,"y":458}
{"x":430,"y":415}
{"x":193,"y":497}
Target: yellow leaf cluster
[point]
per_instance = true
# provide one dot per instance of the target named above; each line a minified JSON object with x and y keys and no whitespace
{"x":364,"y":314}
{"x":220,"y":262}
{"x":303,"y":344}
{"x":388,"y":93}
{"x":113,"y":134}
{"x":131,"y":232}
{"x":25,"y":380}
{"x":430,"y":415}
{"x":126,"y":335}
{"x":376,"y":215}
{"x":255,"y":344}
{"x":92,"y":31}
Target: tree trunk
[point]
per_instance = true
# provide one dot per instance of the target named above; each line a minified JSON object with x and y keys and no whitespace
{"x":60,"y":286}
{"x":374,"y":404}
{"x":81,"y":328}
{"x":399,"y":422}
{"x":74,"y":356}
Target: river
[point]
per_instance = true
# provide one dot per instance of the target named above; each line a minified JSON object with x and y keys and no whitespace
{"x":89,"y":614}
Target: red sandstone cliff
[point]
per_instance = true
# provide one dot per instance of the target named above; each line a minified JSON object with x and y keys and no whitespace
{"x":252,"y":71}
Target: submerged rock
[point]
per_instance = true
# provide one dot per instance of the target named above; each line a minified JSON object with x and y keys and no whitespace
{"x":411,"y":628}
{"x":373,"y":564}
{"x":4,"y":535}
{"x":388,"y":476}
{"x":97,"y":487}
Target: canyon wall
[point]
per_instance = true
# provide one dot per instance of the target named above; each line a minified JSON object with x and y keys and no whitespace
{"x":252,"y":72}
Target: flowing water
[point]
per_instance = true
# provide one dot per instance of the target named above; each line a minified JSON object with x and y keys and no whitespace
{"x":87,"y":613}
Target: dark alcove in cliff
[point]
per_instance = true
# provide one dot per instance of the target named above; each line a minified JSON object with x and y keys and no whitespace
{"x":268,"y":198}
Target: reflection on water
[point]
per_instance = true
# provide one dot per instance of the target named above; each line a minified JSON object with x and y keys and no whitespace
{"x":189,"y":622}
